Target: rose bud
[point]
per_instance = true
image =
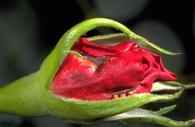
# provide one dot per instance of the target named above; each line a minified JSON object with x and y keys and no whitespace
{"x":108,"y":72}
{"x":79,"y":80}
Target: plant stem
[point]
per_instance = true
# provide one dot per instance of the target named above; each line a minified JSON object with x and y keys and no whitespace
{"x":22,"y":96}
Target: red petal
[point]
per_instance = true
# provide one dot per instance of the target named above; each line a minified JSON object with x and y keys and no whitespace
{"x":107,"y":70}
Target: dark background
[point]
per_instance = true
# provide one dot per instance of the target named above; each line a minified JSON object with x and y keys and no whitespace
{"x":30,"y":29}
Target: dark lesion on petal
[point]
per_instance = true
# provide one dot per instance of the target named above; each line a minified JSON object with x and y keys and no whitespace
{"x":97,"y":60}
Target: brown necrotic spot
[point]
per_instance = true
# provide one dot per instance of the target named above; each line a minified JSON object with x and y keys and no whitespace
{"x":97,"y":60}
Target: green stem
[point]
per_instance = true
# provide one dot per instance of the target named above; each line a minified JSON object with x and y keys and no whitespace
{"x":22,"y":96}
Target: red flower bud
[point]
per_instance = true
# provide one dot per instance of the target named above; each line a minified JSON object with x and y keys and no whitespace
{"x":108,"y":72}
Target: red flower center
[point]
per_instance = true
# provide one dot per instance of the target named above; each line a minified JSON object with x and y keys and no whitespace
{"x":108,"y":72}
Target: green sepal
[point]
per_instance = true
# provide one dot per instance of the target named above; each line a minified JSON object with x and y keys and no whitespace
{"x":78,"y":110}
{"x":147,"y":116}
{"x":126,"y":37}
{"x":165,"y":110}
